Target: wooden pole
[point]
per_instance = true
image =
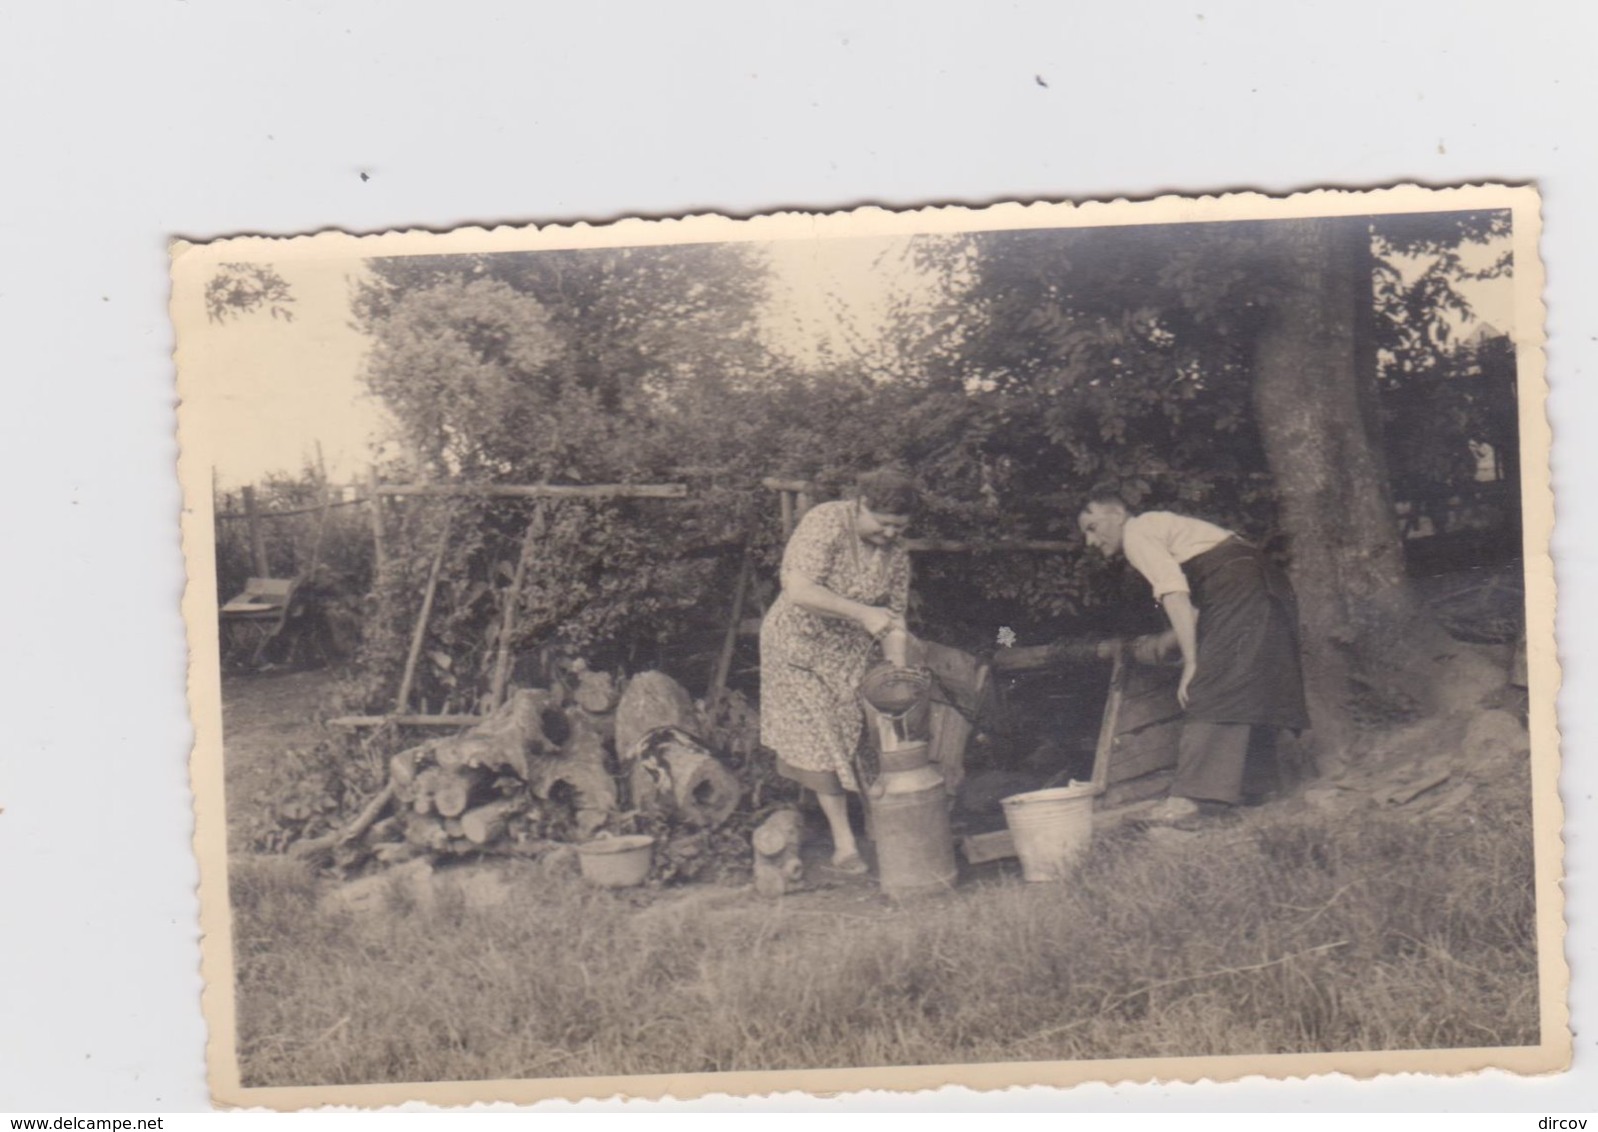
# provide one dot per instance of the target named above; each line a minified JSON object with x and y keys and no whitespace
{"x":1112,"y":711}
{"x":379,"y":554}
{"x":718,"y":678}
{"x":541,"y":490}
{"x":356,"y":721}
{"x":961,"y":546}
{"x":321,"y":527}
{"x":252,"y":515}
{"x":419,"y":634}
{"x":513,"y":601}
{"x":786,"y":502}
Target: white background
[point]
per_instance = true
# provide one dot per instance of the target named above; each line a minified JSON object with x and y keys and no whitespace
{"x":123,"y":125}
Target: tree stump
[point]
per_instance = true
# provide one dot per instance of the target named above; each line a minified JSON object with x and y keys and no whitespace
{"x":581,"y":768}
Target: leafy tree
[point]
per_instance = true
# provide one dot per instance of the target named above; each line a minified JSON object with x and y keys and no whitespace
{"x":625,"y":365}
{"x":1228,"y":371}
{"x":239,"y":289}
{"x":1244,"y":372}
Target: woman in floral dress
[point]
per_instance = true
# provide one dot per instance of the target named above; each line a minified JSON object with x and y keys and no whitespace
{"x":845,"y":585}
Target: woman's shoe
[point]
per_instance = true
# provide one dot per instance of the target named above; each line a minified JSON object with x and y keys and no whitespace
{"x":851,"y":865}
{"x":1173,"y":810}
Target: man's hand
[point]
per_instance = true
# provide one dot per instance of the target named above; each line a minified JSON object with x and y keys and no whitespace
{"x":1188,"y":672}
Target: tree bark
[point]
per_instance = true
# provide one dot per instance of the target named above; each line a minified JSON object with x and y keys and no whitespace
{"x":1367,"y":641}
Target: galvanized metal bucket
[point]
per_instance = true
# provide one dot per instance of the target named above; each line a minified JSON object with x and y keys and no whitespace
{"x":1051,"y":829}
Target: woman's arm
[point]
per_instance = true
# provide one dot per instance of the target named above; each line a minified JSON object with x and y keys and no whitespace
{"x":811,"y":595}
{"x":1184,"y":622}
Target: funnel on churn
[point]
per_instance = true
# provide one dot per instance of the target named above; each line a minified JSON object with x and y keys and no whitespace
{"x":907,"y":804}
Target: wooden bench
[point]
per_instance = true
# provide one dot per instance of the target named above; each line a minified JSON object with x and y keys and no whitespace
{"x":257,"y":616}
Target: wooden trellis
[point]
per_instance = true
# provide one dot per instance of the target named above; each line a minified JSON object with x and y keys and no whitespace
{"x":541,"y":493}
{"x":795,"y":497}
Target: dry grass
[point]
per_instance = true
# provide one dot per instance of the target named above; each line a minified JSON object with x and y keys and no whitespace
{"x":1294,"y":932}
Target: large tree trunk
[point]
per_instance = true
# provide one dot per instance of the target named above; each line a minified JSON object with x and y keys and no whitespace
{"x":1368,"y":643}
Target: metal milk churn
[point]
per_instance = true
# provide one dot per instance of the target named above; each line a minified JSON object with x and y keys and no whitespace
{"x":907,"y":805}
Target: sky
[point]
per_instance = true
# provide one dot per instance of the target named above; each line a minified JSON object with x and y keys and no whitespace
{"x":279,"y":388}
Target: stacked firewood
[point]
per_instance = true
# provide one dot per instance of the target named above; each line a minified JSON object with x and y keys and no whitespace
{"x":548,"y":766}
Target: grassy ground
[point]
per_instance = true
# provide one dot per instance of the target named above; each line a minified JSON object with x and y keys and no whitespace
{"x":1294,"y":930}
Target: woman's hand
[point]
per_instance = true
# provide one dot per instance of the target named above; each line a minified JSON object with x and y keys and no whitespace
{"x":1188,"y":672}
{"x":879,"y":622}
{"x":896,"y":646}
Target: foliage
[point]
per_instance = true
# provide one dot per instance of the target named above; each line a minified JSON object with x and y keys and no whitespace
{"x":238,"y":289}
{"x":1030,"y":365}
{"x":622,"y":366}
{"x":318,"y":789}
{"x":1127,"y":355}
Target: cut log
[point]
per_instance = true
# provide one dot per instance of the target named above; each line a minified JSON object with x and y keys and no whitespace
{"x":427,"y":833}
{"x":776,"y":845}
{"x":402,"y":769}
{"x":595,"y":692}
{"x":452,"y":826}
{"x":592,"y":792}
{"x":488,"y":822}
{"x":580,"y":767}
{"x":595,"y":696}
{"x":455,"y":789}
{"x":530,"y":723}
{"x":422,"y":790}
{"x":529,"y":726}
{"x":651,"y":701}
{"x":677,"y":775}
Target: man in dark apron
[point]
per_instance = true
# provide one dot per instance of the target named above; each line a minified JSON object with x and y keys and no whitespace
{"x":1235,"y":619}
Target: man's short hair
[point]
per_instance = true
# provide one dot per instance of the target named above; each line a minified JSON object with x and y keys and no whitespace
{"x":1105,"y":494}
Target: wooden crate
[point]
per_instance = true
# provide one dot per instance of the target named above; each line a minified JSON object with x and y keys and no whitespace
{"x":1136,"y":755}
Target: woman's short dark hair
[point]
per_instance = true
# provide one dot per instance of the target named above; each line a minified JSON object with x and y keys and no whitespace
{"x":888,"y":491}
{"x":1105,"y":494}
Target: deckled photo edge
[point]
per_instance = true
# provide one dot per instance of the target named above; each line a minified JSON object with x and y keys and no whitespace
{"x":200,"y":598}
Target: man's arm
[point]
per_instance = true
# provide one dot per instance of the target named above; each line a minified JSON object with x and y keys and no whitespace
{"x":1178,"y":607}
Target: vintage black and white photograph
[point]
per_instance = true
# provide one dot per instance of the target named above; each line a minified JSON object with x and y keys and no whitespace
{"x":1028,"y":644}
